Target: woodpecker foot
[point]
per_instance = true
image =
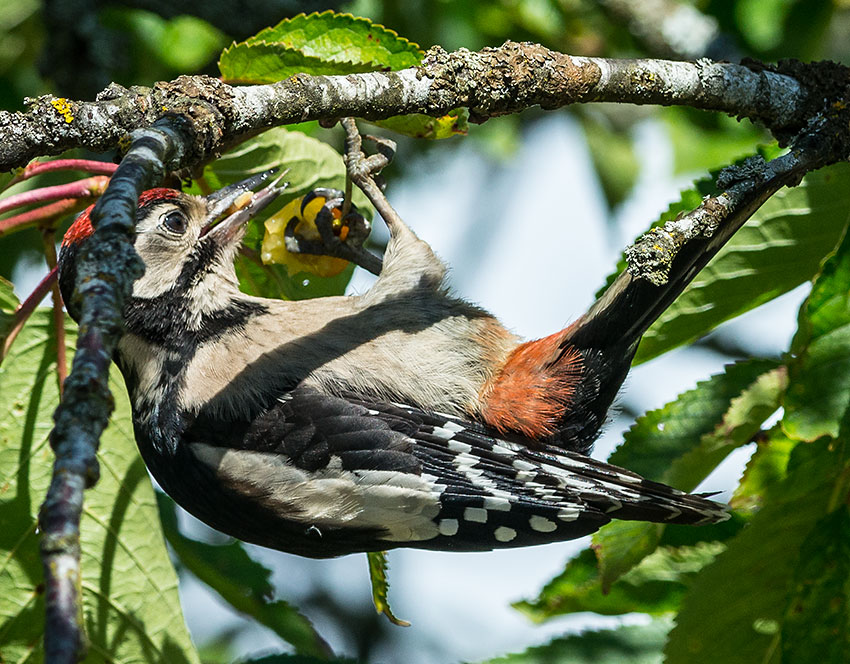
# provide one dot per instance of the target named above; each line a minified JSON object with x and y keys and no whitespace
{"x":362,"y":170}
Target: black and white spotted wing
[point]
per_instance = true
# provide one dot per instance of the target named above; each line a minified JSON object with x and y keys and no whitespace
{"x":352,"y":475}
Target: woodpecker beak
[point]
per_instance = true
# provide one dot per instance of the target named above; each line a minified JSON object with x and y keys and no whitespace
{"x":246,"y":202}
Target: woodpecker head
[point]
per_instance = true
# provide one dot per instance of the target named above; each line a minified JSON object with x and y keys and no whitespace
{"x":181,"y":238}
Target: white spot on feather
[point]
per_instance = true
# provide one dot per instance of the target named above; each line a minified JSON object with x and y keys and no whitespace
{"x":542,"y":524}
{"x":498,"y":504}
{"x":475,"y":514}
{"x":569,"y":513}
{"x":459,"y":448}
{"x":504,"y":534}
{"x":453,"y":427}
{"x":448,"y":527}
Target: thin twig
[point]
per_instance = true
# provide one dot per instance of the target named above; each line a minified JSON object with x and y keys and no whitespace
{"x":24,"y":311}
{"x":38,"y":167}
{"x":44,"y":215}
{"x":49,"y":238}
{"x":85,"y":188}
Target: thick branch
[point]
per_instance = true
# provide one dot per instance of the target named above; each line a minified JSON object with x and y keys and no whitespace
{"x":491,"y":82}
{"x":108,"y":266}
{"x":666,"y":259}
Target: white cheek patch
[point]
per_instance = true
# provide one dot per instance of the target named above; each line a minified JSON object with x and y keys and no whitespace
{"x":163,"y":264}
{"x":400,"y":505}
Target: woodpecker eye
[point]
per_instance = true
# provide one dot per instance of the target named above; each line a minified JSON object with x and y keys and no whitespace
{"x":175,"y":221}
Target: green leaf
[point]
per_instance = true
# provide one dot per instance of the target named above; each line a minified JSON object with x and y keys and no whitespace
{"x":681,"y":443}
{"x":8,"y":304}
{"x":662,"y":436}
{"x":381,"y":586}
{"x":740,"y":425}
{"x":423,"y":126}
{"x":816,"y":627}
{"x":310,"y":163}
{"x":779,"y":248}
{"x":765,"y":469}
{"x":656,"y":586}
{"x":241,"y":582}
{"x":820,"y":374}
{"x":129,"y":588}
{"x":635,"y":644}
{"x":267,"y":63}
{"x":330,"y":44}
{"x":620,"y":548}
{"x":326,"y":43}
{"x":8,"y":300}
{"x":735,"y":607}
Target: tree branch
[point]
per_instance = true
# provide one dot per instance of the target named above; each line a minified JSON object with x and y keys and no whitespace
{"x":665,"y":259}
{"x":108,"y":266}
{"x":491,"y":82}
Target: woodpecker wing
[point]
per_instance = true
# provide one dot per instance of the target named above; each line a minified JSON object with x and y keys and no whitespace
{"x":343,"y":474}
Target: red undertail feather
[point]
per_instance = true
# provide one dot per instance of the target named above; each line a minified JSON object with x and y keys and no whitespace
{"x":533,"y":389}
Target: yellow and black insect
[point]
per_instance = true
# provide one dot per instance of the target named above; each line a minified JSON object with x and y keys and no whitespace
{"x":301,"y":234}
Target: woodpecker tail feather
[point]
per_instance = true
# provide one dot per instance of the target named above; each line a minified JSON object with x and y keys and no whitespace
{"x":607,"y":336}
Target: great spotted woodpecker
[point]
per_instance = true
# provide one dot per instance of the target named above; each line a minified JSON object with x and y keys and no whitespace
{"x":401,"y":417}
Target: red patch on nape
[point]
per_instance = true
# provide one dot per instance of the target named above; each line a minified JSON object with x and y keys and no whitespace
{"x":534,"y":389}
{"x":82,"y":228}
{"x":156,"y":195}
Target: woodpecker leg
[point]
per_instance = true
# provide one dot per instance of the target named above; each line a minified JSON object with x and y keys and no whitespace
{"x":409,"y":263}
